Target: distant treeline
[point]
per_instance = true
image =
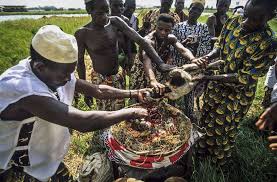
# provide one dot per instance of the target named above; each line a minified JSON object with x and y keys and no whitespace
{"x":44,"y":10}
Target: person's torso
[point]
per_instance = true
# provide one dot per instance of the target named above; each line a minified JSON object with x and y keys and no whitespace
{"x":238,"y":48}
{"x":164,"y":50}
{"x":32,"y":143}
{"x":183,"y":30}
{"x":245,"y":53}
{"x":102,"y":46}
{"x":122,"y":38}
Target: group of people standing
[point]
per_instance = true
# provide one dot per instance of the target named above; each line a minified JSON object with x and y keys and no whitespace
{"x":36,"y":94}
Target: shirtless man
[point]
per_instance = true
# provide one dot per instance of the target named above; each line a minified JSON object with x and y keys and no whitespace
{"x":127,"y":47}
{"x":100,"y":39}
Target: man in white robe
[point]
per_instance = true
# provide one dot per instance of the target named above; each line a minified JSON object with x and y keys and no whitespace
{"x":36,"y":111}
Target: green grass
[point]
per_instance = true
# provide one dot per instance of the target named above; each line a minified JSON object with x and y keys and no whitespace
{"x":15,"y":36}
{"x":44,"y":12}
{"x":251,"y":161}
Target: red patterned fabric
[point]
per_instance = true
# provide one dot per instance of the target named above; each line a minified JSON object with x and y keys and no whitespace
{"x":120,"y":154}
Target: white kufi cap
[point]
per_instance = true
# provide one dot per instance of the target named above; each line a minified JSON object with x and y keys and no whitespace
{"x":55,"y":45}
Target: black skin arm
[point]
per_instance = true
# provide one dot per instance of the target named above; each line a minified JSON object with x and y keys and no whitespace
{"x":81,"y":67}
{"x":132,"y":34}
{"x":228,"y":78}
{"x":59,"y":113}
{"x":104,"y":91}
{"x":186,"y":53}
{"x":268,"y":120}
{"x":148,"y":68}
{"x":215,"y":53}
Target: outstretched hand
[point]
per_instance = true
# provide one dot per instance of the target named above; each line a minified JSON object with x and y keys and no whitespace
{"x":268,"y":120}
{"x":158,"y":87}
{"x":273,"y":142}
{"x":190,"y":41}
{"x":202,"y":62}
{"x":138,"y":113}
{"x":143,"y":94}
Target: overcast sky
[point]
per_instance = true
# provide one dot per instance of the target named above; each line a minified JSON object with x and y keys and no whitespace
{"x":80,"y":3}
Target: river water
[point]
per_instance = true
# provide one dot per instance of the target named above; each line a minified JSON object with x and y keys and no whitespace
{"x":18,"y":17}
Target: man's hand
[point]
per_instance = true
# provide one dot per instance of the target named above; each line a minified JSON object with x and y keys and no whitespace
{"x":158,"y":87}
{"x":202,"y":62}
{"x":138,"y":113}
{"x":165,"y":67}
{"x":190,"y":41}
{"x":268,"y":120}
{"x":273,"y":142}
{"x":142,"y":94}
{"x":88,"y":101}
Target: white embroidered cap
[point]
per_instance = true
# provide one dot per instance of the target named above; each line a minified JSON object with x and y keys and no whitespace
{"x":55,"y":45}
